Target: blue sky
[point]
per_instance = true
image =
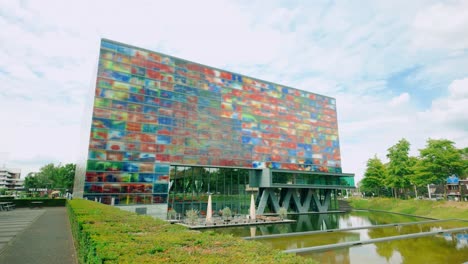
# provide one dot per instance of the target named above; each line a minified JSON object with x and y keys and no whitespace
{"x":397,"y":68}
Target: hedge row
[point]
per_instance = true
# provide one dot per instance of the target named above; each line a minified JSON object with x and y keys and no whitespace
{"x":105,"y":234}
{"x":7,"y":198}
{"x":47,"y":202}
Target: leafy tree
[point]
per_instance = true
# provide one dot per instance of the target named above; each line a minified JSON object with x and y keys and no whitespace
{"x":412,"y":176}
{"x":65,"y":176}
{"x":31,"y":181}
{"x":47,"y":175}
{"x":51,"y":176}
{"x":439,"y":160}
{"x":399,"y":167}
{"x":464,"y":155}
{"x":374,"y":176}
{"x":36,"y":180}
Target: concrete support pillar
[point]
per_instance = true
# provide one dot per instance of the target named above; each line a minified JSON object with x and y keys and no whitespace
{"x":268,"y":194}
{"x":322,"y":206}
{"x":303,"y":223}
{"x":284,"y":201}
{"x":302,"y":203}
{"x":304,"y":206}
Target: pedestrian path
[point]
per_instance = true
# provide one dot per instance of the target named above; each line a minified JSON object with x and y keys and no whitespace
{"x":15,"y":221}
{"x":41,"y":236}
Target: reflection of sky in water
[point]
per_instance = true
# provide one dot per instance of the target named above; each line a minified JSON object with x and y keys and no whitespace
{"x":361,"y":255}
{"x":353,"y":221}
{"x":462,"y":241}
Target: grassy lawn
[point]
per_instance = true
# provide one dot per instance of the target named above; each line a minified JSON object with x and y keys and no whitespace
{"x":432,"y":209}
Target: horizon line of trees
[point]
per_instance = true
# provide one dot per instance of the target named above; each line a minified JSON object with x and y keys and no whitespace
{"x":404,"y":175}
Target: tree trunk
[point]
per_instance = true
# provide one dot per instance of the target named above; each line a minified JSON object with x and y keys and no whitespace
{"x":445,"y":192}
{"x":416,"y":191}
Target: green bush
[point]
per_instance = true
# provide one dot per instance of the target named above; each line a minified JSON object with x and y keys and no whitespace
{"x":46,"y":202}
{"x":7,"y":198}
{"x":105,"y":234}
{"x":226,"y":212}
{"x":192,"y":216}
{"x":283,"y":212}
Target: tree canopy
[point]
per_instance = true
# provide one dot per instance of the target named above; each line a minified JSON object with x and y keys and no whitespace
{"x":374,"y":176}
{"x":52,"y":177}
{"x":464,"y":155}
{"x":437,"y":161}
{"x":399,"y":167}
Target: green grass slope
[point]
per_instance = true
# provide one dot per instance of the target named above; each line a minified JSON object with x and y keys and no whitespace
{"x":425,"y":208}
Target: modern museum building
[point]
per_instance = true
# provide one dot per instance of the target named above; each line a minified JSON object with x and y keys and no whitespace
{"x":162,"y":132}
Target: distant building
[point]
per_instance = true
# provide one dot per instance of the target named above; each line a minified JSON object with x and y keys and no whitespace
{"x":457,"y":190}
{"x":10,"y":179}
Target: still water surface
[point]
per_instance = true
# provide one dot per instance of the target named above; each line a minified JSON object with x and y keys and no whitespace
{"x":441,"y":249}
{"x":446,"y":248}
{"x":313,"y":222}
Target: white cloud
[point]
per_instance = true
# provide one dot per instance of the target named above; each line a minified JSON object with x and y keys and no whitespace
{"x":400,"y":99}
{"x":49,"y":50}
{"x":442,"y":26}
{"x":459,"y":89}
{"x":440,"y":72}
{"x":450,"y":112}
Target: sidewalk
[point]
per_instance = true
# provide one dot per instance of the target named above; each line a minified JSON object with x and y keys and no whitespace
{"x":41,"y":236}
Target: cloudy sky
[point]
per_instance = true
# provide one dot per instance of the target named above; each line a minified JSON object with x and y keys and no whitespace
{"x":398,"y":69}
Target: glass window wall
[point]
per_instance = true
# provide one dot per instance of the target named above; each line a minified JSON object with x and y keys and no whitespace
{"x":191,"y":186}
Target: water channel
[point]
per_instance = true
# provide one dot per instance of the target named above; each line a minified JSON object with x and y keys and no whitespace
{"x":344,"y":232}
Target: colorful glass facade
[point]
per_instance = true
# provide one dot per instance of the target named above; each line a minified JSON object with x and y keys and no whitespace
{"x":152,"y":111}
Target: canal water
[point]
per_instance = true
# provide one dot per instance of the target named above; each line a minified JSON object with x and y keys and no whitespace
{"x":361,"y":226}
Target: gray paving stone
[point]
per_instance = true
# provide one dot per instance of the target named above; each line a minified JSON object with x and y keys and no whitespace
{"x":47,"y":240}
{"x":5,"y":239}
{"x":10,"y":224}
{"x":11,"y":229}
{"x":8,"y":234}
{"x":14,"y":225}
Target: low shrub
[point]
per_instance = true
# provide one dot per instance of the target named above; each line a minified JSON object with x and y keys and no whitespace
{"x":7,"y":198}
{"x":226,"y":212}
{"x":46,"y":202}
{"x":192,"y":216}
{"x":283,"y":212}
{"x":105,"y":234}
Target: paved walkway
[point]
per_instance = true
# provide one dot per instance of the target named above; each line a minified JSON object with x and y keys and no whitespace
{"x":41,"y":236}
